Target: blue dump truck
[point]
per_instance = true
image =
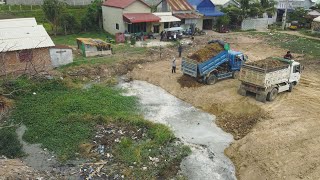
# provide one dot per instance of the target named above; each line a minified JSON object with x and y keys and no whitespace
{"x":225,"y":64}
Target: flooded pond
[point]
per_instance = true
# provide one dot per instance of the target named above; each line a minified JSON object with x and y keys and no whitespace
{"x":194,"y":127}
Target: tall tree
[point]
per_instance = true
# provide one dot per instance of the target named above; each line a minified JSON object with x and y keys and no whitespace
{"x":53,"y":10}
{"x":93,"y":18}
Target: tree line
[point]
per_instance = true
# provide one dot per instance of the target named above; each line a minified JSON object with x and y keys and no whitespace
{"x":56,"y":13}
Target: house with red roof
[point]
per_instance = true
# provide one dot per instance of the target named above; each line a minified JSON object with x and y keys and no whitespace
{"x":183,"y":10}
{"x":131,"y":16}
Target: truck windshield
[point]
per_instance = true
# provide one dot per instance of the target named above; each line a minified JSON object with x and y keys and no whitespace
{"x":239,"y":58}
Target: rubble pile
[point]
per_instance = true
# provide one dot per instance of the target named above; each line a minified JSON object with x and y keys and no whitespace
{"x":268,"y":63}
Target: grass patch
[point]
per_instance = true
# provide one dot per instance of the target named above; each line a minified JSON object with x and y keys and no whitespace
{"x":121,"y":53}
{"x":293,"y":43}
{"x":9,"y":143}
{"x":68,"y":120}
{"x":91,"y":61}
{"x":309,"y":33}
{"x":60,"y":118}
{"x":70,"y":40}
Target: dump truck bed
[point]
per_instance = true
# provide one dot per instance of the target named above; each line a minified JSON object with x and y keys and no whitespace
{"x":194,"y":68}
{"x":265,"y":73}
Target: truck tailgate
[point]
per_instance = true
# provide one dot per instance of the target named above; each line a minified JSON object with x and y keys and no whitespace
{"x":258,"y":77}
{"x":189,"y":67}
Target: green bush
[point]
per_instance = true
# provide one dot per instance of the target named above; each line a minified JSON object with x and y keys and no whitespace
{"x":9,"y":143}
{"x":133,"y":41}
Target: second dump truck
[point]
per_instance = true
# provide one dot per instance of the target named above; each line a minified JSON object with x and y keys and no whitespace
{"x":212,"y":63}
{"x":266,"y":78}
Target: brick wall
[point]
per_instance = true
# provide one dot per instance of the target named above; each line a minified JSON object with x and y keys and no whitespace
{"x":11,"y":63}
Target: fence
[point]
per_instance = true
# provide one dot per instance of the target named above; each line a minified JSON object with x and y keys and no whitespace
{"x":258,"y":24}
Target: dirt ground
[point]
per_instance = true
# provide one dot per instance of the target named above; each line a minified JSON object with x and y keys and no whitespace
{"x":274,"y":140}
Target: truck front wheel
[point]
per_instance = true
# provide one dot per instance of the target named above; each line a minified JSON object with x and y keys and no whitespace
{"x":212,"y":79}
{"x":235,"y":74}
{"x":272,"y":94}
{"x":290,"y":87}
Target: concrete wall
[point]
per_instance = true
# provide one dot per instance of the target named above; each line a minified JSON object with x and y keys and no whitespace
{"x":40,"y":2}
{"x":60,"y":57}
{"x":98,"y":53}
{"x":111,"y":17}
{"x":10,"y":63}
{"x":258,"y":24}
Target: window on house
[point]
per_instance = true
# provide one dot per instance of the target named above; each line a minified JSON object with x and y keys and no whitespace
{"x":166,"y":25}
{"x":25,"y":55}
{"x":117,"y":26}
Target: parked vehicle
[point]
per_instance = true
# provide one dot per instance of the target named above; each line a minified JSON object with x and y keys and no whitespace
{"x":269,"y":77}
{"x":225,"y":64}
{"x":172,"y":34}
{"x":294,"y":25}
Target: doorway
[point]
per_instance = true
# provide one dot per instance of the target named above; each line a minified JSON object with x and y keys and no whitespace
{"x":207,"y":24}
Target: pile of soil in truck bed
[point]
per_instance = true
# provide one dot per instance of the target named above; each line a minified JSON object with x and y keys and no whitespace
{"x":268,"y":63}
{"x":207,"y":52}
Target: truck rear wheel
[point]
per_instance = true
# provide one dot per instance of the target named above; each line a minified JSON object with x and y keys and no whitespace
{"x":235,"y":74}
{"x":242,"y":91}
{"x":272,"y":94}
{"x":212,"y":79}
{"x":261,"y":97}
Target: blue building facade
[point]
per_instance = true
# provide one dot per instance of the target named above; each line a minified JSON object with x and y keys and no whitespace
{"x":209,"y":11}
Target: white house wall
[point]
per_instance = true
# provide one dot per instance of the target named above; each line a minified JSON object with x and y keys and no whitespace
{"x":61,"y":57}
{"x":111,"y":17}
{"x":137,"y":7}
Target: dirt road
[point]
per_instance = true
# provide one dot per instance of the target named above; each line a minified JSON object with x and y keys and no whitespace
{"x":278,"y":140}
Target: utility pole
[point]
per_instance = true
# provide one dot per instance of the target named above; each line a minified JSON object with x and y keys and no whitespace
{"x":284,"y":17}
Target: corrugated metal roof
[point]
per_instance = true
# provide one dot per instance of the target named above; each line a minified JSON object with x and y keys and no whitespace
{"x":20,"y":22}
{"x":93,"y":42}
{"x":166,"y":17}
{"x":314,"y":13}
{"x":317,"y":19}
{"x":19,"y":38}
{"x":121,"y":3}
{"x":180,"y":5}
{"x":140,"y":17}
{"x":187,"y":16}
{"x":220,"y":2}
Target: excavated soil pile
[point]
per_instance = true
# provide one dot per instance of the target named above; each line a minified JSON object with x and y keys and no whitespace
{"x":268,"y":63}
{"x":187,"y":81}
{"x":207,"y":52}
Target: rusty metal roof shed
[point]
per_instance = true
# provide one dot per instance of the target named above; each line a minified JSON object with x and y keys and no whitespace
{"x":180,"y":5}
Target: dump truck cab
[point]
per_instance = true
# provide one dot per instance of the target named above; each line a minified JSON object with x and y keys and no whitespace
{"x":295,"y":72}
{"x":236,"y":59}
